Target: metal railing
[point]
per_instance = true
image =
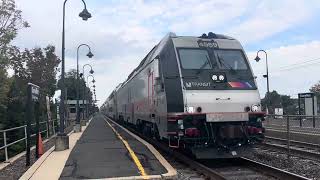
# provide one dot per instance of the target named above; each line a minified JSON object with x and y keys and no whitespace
{"x":4,"y":132}
{"x":294,"y":133}
{"x":299,"y":123}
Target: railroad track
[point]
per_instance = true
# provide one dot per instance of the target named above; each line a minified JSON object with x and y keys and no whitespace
{"x":298,"y":148}
{"x":232,"y":169}
{"x":243,"y":168}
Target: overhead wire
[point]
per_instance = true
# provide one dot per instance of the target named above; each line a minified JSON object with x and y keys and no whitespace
{"x":298,"y":65}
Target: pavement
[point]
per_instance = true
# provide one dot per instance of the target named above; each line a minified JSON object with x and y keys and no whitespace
{"x":50,"y":165}
{"x":103,"y":150}
{"x":102,"y":153}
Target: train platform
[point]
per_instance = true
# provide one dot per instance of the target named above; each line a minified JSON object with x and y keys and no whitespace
{"x":103,"y":150}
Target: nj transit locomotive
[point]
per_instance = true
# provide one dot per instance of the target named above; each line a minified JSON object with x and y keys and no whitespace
{"x":195,"y":93}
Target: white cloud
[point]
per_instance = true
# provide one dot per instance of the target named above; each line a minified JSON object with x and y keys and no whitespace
{"x":122,"y":32}
{"x":269,"y":18}
{"x":206,"y":16}
{"x":289,"y":73}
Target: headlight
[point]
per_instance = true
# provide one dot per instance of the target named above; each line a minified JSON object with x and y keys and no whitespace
{"x":214,"y":77}
{"x":254,"y":108}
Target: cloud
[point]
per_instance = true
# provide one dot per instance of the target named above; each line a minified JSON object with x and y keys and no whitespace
{"x":121,"y":33}
{"x":269,"y":18}
{"x":205,"y":16}
{"x":292,"y":69}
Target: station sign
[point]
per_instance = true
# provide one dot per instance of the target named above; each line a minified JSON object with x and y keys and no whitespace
{"x":305,"y":95}
{"x":35,"y":91}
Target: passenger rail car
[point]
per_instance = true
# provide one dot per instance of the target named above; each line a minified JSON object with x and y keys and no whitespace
{"x":195,"y":93}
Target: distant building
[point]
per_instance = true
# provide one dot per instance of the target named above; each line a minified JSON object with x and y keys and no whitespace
{"x":72,"y":110}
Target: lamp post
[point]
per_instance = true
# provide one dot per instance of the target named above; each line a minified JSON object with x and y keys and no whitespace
{"x":94,"y":88}
{"x":62,"y":141}
{"x":77,"y":127}
{"x":93,"y":81}
{"x":266,"y":75}
{"x":85,"y":113}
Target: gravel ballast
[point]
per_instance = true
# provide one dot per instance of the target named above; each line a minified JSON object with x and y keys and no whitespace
{"x":298,"y":165}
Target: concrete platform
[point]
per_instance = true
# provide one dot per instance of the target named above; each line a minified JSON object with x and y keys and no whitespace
{"x":104,"y":150}
{"x":50,"y":165}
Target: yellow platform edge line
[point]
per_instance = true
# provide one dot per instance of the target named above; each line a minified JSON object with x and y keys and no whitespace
{"x":132,"y":154}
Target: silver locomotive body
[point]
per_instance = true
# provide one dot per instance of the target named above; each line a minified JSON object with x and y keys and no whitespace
{"x":196,"y":93}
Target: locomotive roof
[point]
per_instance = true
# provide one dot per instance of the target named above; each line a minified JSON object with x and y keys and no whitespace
{"x":223,"y":41}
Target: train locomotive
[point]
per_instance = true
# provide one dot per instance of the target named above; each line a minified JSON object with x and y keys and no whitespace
{"x":194,"y":93}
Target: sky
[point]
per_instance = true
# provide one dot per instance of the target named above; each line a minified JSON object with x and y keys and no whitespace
{"x":122,"y":32}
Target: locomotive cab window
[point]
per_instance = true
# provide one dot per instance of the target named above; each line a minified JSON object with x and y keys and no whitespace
{"x":194,"y":59}
{"x":231,"y":59}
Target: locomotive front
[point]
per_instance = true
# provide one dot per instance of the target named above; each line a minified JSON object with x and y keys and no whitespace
{"x":222,"y":112}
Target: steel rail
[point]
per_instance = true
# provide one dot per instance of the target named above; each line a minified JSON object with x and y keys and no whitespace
{"x":294,"y":142}
{"x":312,"y":152}
{"x":208,"y":172}
{"x":279,"y":173}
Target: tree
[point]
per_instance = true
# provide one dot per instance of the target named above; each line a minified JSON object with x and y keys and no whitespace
{"x":4,"y":89}
{"x":38,"y":66}
{"x":71,"y":87}
{"x":316,"y":89}
{"x":16,"y":104}
{"x":42,"y":68}
{"x":70,"y":82}
{"x":275,"y":100}
{"x":10,"y":22}
{"x":289,"y":105}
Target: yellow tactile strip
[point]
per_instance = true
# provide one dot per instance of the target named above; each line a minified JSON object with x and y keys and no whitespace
{"x":132,"y":154}
{"x":171,"y":172}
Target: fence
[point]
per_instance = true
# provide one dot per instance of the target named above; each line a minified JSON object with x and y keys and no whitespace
{"x":15,"y":132}
{"x":294,"y":133}
{"x":299,"y":123}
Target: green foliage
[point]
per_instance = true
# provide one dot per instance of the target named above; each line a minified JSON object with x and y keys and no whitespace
{"x":274,"y":100}
{"x":10,"y":22}
{"x":316,"y":89}
{"x":42,"y":67}
{"x":71,"y":88}
{"x":70,"y":82}
{"x":36,"y":65}
{"x":4,"y":89}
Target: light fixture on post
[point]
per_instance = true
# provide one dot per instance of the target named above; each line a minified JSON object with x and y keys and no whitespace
{"x":84,"y":14}
{"x":62,"y":140}
{"x":77,"y":126}
{"x":85,"y":113}
{"x":265,"y":76}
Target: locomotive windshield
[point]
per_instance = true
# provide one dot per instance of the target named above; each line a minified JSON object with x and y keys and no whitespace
{"x":231,"y":59}
{"x":195,"y":59}
{"x":200,"y":67}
